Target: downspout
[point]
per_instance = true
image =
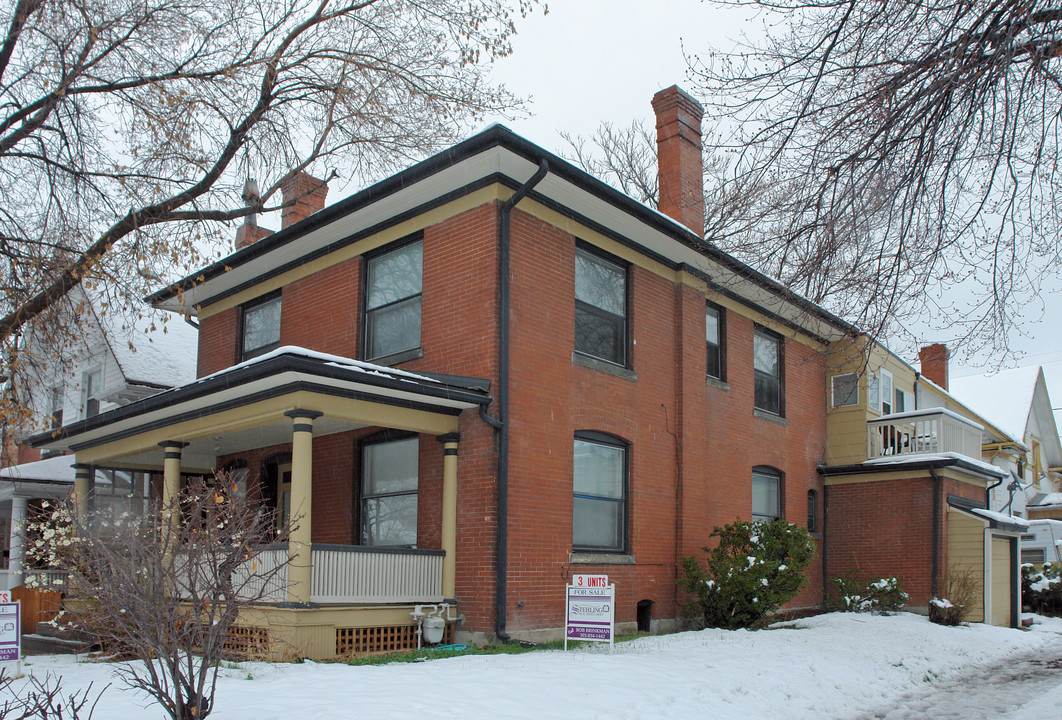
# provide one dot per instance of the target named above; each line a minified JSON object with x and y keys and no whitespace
{"x":501,"y":425}
{"x":988,"y":494}
{"x":936,"y":533}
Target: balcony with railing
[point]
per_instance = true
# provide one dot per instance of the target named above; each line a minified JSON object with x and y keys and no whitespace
{"x":923,"y":432}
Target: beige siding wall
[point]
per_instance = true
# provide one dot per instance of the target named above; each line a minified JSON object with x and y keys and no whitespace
{"x":846,"y":428}
{"x":1001,"y":582}
{"x":966,"y":555}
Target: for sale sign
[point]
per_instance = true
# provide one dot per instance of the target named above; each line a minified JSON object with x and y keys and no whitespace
{"x":10,"y":633}
{"x":590,"y":609}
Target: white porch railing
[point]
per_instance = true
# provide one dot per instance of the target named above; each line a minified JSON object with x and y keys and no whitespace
{"x":930,"y":431}
{"x":358,"y":575}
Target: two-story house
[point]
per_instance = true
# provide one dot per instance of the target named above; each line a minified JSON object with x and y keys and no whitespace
{"x":115,"y":361}
{"x":480,"y":376}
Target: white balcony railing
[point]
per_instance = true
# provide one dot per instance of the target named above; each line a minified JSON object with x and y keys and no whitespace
{"x":920,"y":432}
{"x":356,"y":575}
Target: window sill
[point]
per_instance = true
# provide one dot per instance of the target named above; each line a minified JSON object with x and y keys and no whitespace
{"x":770,"y":416}
{"x":604,"y":366}
{"x":716,"y":383}
{"x":398,"y":357}
{"x":600,"y":558}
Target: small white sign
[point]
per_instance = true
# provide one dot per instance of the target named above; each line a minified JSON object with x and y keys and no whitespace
{"x":589,"y":581}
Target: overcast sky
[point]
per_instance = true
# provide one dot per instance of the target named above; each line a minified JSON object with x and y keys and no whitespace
{"x":593,"y":60}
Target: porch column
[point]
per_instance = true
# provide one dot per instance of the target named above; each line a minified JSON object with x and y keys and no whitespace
{"x":300,"y":558}
{"x":82,"y":486}
{"x":18,"y":520}
{"x":171,"y":478}
{"x":449,"y":513}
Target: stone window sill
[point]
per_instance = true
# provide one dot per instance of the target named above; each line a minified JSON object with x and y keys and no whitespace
{"x":603,"y":366}
{"x":771,"y":416}
{"x":595,"y":558}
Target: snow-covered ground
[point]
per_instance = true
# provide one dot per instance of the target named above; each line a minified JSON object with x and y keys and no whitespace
{"x":831,"y":666}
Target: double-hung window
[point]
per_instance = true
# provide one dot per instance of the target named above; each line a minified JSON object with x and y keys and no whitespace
{"x":599,"y":503}
{"x":766,"y":494}
{"x":600,"y":307}
{"x":393,"y":282}
{"x":260,"y":326}
{"x":389,"y":478}
{"x":713,"y":331}
{"x":767,"y":369}
{"x":93,"y":389}
{"x":55,"y":407}
{"x":886,"y":392}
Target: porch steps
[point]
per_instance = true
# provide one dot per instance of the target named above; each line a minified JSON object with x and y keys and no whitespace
{"x":57,"y":640}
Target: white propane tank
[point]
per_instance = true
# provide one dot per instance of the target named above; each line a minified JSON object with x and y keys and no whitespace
{"x":433,"y":629}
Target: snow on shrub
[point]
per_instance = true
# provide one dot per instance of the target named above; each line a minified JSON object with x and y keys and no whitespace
{"x":880,"y":595}
{"x":1042,"y":589}
{"x":755,"y":569}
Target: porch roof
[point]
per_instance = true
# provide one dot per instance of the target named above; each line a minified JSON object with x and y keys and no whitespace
{"x":242,"y":407}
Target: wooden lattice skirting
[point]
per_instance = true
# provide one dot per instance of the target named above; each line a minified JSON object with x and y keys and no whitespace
{"x":388,"y":638}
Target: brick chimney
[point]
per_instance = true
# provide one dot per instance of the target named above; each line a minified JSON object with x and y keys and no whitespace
{"x":678,"y":146}
{"x":249,"y":233}
{"x":934,"y":362}
{"x":303,"y":196}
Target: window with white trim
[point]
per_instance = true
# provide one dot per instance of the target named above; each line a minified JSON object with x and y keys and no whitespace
{"x":599,"y":493}
{"x":92,"y":388}
{"x":886,"y":392}
{"x":845,"y":390}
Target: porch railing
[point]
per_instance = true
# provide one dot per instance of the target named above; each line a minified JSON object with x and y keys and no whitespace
{"x":920,"y":432}
{"x":353,"y":574}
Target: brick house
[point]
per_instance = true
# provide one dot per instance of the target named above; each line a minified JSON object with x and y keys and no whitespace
{"x":484,"y":374}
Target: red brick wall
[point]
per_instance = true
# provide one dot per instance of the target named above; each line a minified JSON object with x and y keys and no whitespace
{"x":321,"y":311}
{"x":692,"y":446}
{"x":884,"y":529}
{"x":217,"y":341}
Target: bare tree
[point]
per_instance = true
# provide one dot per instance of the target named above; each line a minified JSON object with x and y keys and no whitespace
{"x":43,"y":699}
{"x":912,"y":148}
{"x":165,"y":589}
{"x":128,"y":128}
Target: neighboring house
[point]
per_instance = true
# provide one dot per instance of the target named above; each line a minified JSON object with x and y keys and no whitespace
{"x":112,"y":366}
{"x":480,"y":376}
{"x":1018,"y":401}
{"x":906,"y":486}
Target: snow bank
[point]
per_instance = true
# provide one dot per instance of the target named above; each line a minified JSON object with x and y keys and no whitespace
{"x":831,"y":666}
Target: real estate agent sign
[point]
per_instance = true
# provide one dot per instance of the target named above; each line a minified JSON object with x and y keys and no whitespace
{"x":10,"y":637}
{"x":590,"y":609}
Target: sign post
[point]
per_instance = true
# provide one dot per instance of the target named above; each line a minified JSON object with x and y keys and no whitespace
{"x":10,"y":632}
{"x":590,"y":609}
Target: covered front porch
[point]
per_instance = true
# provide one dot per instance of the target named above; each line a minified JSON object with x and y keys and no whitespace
{"x":300,"y":402}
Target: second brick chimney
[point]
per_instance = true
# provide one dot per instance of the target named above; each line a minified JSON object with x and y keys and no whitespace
{"x":934,"y":362}
{"x":303,"y":196}
{"x":680,"y":168}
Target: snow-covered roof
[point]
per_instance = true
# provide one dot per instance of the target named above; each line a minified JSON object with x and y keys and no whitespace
{"x":914,"y":458}
{"x":1000,"y":517}
{"x":1003,"y":398}
{"x":1046,"y":500}
{"x":158,"y":351}
{"x":54,"y":469}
